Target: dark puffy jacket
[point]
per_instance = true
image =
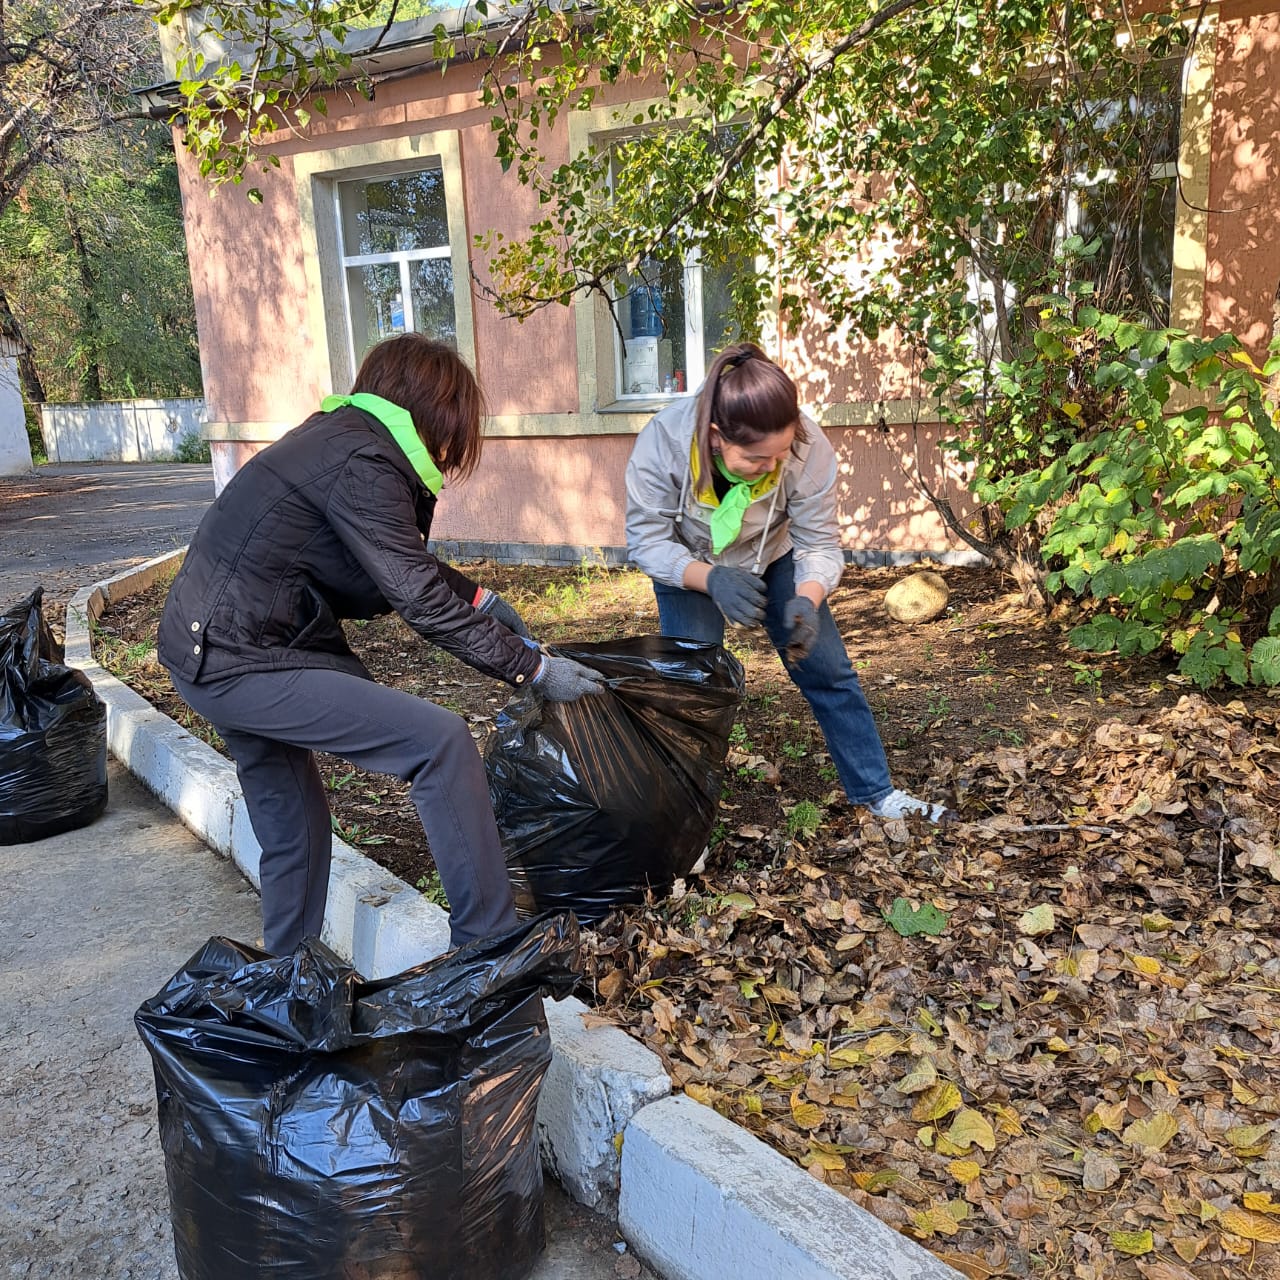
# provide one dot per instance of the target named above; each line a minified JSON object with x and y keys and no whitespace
{"x":329,"y":522}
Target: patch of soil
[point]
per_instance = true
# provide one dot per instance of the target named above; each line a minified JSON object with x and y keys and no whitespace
{"x":1044,"y":1040}
{"x":989,"y":672}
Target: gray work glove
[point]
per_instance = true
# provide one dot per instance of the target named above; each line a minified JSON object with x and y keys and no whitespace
{"x":496,"y":607}
{"x":739,"y":594}
{"x":801,"y":620}
{"x":563,"y":680}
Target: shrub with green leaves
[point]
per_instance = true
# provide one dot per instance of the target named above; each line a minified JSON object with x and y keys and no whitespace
{"x":1139,"y":469}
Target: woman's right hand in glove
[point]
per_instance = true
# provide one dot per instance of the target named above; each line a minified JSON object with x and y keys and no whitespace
{"x":563,"y":680}
{"x":739,"y":594}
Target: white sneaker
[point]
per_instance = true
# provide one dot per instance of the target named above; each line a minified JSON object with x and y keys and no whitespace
{"x":898,"y":804}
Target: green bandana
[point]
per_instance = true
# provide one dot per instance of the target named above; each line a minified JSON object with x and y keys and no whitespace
{"x":400,"y":423}
{"x":726,"y":519}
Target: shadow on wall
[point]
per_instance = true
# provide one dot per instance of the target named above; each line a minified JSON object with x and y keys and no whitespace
{"x":880,"y":507}
{"x":1244,"y":191}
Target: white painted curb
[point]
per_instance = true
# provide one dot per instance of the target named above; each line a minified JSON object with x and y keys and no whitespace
{"x":701,"y":1199}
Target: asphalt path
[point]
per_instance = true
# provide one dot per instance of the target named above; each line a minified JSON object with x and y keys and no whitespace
{"x":63,"y":527}
{"x":92,"y":921}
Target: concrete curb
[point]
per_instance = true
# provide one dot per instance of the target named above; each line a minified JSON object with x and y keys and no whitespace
{"x":700,"y":1199}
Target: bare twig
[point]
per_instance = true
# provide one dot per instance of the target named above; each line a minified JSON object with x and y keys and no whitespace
{"x":1051,"y":826}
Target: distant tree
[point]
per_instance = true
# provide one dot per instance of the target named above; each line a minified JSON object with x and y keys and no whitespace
{"x":67,"y":69}
{"x":96,"y":271}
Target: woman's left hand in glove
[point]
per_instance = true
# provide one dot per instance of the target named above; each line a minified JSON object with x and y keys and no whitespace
{"x":801,"y":619}
{"x":495,"y":606}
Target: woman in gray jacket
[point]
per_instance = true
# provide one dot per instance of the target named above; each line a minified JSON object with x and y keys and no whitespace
{"x":731,"y":511}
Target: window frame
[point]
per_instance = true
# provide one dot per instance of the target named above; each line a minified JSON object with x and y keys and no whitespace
{"x":600,"y":369}
{"x":401,"y":258}
{"x":317,"y":175}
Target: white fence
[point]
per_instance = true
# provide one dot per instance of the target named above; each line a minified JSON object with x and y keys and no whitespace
{"x":119,"y":430}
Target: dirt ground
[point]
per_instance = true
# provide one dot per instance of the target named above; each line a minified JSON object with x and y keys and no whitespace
{"x":991,"y":672}
{"x":1043,"y":1039}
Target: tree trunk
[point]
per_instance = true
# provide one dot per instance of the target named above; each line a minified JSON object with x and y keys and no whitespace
{"x":91,"y":375}
{"x":28,"y":374}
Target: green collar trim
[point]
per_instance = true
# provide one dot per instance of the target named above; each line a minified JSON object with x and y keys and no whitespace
{"x":726,"y":519}
{"x":400,"y":423}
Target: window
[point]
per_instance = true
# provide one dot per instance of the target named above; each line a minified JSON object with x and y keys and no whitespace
{"x":1117,"y":196}
{"x":673,"y":315}
{"x":1132,"y":213}
{"x":395,"y":253}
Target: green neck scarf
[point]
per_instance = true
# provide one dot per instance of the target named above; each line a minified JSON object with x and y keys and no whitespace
{"x":726,"y":518}
{"x":400,"y":423}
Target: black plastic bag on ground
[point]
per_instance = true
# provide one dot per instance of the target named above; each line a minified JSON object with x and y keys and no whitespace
{"x":322,"y":1127}
{"x":53,"y":733}
{"x":601,"y":798}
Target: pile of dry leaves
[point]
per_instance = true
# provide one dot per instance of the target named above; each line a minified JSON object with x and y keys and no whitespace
{"x":1047,"y":1044}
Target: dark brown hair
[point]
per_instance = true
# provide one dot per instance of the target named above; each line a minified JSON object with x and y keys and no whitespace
{"x":747,"y":397}
{"x":432,"y":381}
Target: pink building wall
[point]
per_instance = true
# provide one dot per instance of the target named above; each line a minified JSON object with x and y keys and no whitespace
{"x":261,"y":366}
{"x":1242,"y":279}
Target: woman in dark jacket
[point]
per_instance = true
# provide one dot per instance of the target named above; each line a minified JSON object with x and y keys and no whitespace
{"x":331,"y":522}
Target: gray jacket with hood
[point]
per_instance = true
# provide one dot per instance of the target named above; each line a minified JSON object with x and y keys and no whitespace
{"x":668,"y":527}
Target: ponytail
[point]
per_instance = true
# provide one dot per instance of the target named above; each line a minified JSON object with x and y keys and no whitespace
{"x":748,"y":397}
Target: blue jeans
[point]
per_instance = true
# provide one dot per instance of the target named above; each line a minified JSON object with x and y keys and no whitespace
{"x":826,"y":677}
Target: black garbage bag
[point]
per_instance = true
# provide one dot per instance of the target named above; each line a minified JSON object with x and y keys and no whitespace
{"x":53,"y":733}
{"x":318,"y":1126}
{"x":600,"y":798}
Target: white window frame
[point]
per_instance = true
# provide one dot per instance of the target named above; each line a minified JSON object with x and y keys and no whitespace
{"x":398,"y":257}
{"x":317,"y":175}
{"x":600,"y":370}
{"x":981,"y":290}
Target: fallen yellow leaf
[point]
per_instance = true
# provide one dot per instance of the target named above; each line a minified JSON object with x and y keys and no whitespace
{"x":1134,"y":1243}
{"x":1250,"y":1225}
{"x":807,"y":1115}
{"x":937,"y":1101}
{"x":1146,"y":964}
{"x":1260,"y":1202}
{"x":921,"y":1076}
{"x":1106,"y":1115}
{"x":1155,"y":1132}
{"x":970,"y":1128}
{"x":823,"y":1159}
{"x":964,"y":1171}
{"x":1250,"y":1139}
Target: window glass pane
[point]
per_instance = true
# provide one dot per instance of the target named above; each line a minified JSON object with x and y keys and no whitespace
{"x":651,"y":313}
{"x":1133,"y":269}
{"x":431,"y":284}
{"x":377,"y":307}
{"x":386,"y":215}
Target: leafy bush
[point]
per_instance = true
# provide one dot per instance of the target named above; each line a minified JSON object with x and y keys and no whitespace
{"x":1139,"y":469}
{"x":192,"y":448}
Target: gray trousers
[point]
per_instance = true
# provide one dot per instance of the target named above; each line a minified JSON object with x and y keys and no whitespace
{"x":272,"y":721}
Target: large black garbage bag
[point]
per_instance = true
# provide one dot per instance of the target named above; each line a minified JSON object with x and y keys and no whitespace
{"x":321,"y":1127}
{"x":53,"y":733}
{"x":600,"y":798}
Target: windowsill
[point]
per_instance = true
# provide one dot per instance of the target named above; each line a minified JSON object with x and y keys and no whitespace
{"x":642,"y":404}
